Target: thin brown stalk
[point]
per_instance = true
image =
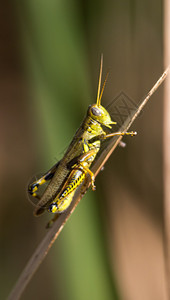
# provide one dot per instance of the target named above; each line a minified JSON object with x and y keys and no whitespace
{"x":166,"y":144}
{"x":53,"y":232}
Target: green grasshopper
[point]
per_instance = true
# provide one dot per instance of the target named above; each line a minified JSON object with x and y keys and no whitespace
{"x":69,"y":173}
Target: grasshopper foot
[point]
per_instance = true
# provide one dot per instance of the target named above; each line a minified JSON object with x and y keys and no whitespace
{"x":92,"y":183}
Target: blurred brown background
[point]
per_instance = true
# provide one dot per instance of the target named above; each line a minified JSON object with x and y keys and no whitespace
{"x":112,"y":247}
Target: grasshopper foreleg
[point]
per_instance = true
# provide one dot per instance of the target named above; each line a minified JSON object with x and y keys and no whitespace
{"x":131,"y":133}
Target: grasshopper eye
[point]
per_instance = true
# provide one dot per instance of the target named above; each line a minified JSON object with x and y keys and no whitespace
{"x":95,"y":111}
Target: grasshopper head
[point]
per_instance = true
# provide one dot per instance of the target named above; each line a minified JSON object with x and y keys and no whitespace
{"x":100,"y":114}
{"x":96,"y":111}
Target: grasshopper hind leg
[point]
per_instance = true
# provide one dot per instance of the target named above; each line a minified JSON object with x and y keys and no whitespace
{"x":51,"y":222}
{"x":58,"y":207}
{"x":34,"y":186}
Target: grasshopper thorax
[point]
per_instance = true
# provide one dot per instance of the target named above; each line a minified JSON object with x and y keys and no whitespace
{"x":99,"y":114}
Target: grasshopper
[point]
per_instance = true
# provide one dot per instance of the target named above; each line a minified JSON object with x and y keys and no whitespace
{"x":69,"y":173}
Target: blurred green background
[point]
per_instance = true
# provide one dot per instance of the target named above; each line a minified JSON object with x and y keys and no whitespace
{"x":111,"y":248}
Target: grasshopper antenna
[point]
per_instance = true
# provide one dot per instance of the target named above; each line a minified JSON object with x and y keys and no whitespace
{"x":100,"y":78}
{"x":103,"y":87}
{"x":99,"y":95}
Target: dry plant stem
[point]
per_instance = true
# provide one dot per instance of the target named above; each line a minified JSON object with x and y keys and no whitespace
{"x":166,"y":132}
{"x":115,"y":141}
{"x":53,"y":232}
